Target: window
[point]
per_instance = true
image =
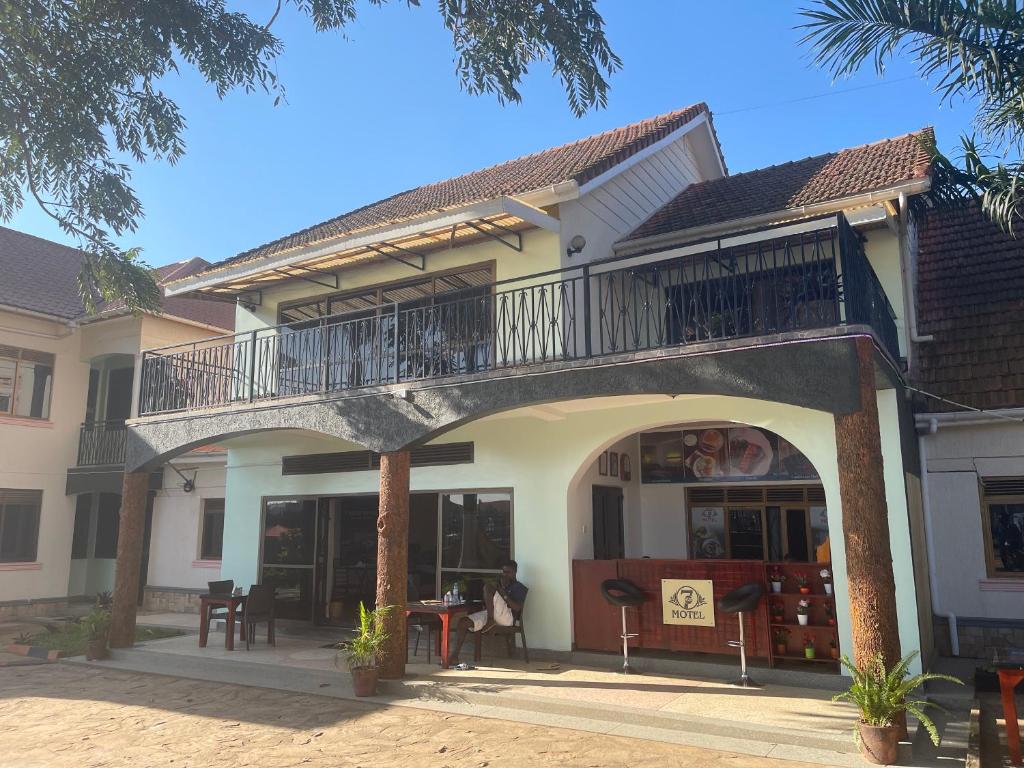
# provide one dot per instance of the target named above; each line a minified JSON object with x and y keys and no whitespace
{"x":1003,"y":511}
{"x":80,"y":539}
{"x":26,"y":381}
{"x":476,"y":534}
{"x":107,"y":524}
{"x":212,"y":539}
{"x":19,"y":525}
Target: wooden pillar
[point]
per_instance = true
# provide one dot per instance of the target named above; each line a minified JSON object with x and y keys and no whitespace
{"x":393,"y":558}
{"x":870,"y":579}
{"x":129,"y":558}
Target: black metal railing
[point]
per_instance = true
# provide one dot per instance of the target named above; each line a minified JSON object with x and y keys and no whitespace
{"x":101,"y":443}
{"x":744,"y":287}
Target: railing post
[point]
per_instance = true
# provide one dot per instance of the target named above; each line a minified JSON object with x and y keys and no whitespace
{"x":252,"y":368}
{"x":587,"y":343}
{"x":394,"y":344}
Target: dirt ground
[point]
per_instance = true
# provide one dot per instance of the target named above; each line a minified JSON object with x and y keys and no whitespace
{"x":65,"y":715}
{"x":993,"y":735}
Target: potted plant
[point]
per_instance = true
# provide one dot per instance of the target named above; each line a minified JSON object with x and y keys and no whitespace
{"x":362,"y":651}
{"x":830,"y":614}
{"x":781,"y":637}
{"x":776,"y":578}
{"x":833,"y":649}
{"x":778,"y":612}
{"x":802,"y":584}
{"x":96,"y":625}
{"x":808,"y":647}
{"x":803,"y":610}
{"x":826,"y":580}
{"x":883,"y":697}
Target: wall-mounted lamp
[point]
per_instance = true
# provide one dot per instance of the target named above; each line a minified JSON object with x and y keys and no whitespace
{"x":577,"y":244}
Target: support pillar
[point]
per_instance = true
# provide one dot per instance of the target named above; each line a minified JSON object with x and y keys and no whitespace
{"x":393,"y":558}
{"x":872,"y":588}
{"x":132,"y":527}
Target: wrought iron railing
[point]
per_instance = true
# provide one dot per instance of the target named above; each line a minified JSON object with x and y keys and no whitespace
{"x":101,"y":443}
{"x":744,"y":287}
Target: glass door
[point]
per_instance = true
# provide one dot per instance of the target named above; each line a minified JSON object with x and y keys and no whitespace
{"x":289,"y":549}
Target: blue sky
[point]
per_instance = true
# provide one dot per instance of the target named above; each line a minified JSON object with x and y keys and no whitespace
{"x":382,"y":111}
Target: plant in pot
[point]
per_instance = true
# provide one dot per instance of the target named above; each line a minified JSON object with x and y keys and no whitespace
{"x":781,"y":638}
{"x":833,"y":648}
{"x":883,"y":697}
{"x":363,"y":650}
{"x":778,"y":612}
{"x":830,"y":614}
{"x":826,"y":580}
{"x":776,"y":578}
{"x":803,"y":611}
{"x":96,"y":626}
{"x":808,"y":646}
{"x":802,"y":584}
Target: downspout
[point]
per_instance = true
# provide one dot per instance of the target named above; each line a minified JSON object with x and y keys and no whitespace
{"x":929,"y":527}
{"x":909,"y":273}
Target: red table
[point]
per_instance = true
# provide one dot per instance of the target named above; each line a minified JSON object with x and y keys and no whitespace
{"x":232,"y":603}
{"x":1010,"y":667}
{"x":445,"y":614}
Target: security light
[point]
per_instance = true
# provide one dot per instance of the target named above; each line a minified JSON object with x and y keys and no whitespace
{"x":577,"y":244}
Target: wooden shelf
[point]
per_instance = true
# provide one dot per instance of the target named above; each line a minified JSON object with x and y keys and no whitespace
{"x":818,"y":595}
{"x":798,"y":625}
{"x":789,"y":657}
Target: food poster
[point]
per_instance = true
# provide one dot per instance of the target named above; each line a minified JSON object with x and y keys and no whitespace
{"x":707,"y":532}
{"x":661,"y":457}
{"x":741,"y":453}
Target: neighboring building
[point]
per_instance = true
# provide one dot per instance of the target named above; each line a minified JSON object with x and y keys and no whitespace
{"x":596,"y":353}
{"x":67,"y":384}
{"x":971,"y":288}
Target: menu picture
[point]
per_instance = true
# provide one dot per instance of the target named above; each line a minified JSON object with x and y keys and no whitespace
{"x":721,"y":454}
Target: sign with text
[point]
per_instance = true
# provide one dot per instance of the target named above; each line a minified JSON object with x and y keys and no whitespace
{"x":690,"y":602}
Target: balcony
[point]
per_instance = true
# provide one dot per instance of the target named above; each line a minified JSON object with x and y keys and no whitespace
{"x":744,"y":287}
{"x":101,"y":443}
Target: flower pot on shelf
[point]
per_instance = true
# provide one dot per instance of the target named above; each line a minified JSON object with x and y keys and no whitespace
{"x":780,"y":649}
{"x":776,"y":586}
{"x":802,"y":618}
{"x":805,"y":590}
{"x":364,"y":681}
{"x":834,"y":652}
{"x":879,"y":744}
{"x":828,"y":587}
{"x":809,"y":652}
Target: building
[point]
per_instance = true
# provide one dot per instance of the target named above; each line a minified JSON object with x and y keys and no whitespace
{"x":67,"y":385}
{"x":593,"y":355}
{"x":971,"y":288}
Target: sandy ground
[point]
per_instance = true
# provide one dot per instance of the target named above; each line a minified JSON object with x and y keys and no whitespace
{"x":64,"y":715}
{"x":993,"y":735}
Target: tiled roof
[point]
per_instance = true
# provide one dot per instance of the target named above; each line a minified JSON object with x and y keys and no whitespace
{"x":971,"y":298}
{"x":791,"y":185}
{"x":579,"y":161}
{"x":42,"y":276}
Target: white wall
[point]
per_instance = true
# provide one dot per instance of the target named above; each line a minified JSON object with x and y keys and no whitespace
{"x":174,"y":551}
{"x":882,"y":247}
{"x":957,"y":457}
{"x":581,"y":500}
{"x":664,"y":515}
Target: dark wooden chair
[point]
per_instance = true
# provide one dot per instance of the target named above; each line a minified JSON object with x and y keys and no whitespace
{"x":223,"y":589}
{"x":509,"y":633}
{"x":419,"y":624}
{"x":259,"y":609}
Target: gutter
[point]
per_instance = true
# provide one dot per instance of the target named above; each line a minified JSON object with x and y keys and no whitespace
{"x":908,"y":271}
{"x":668,"y":240}
{"x":70,"y":325}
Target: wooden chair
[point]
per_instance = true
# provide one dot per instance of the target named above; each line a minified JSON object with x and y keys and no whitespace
{"x":419,"y":624}
{"x":259,"y":608}
{"x":509,"y":633}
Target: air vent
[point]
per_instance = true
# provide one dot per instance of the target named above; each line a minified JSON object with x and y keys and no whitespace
{"x":707,"y":495}
{"x":784,"y":493}
{"x":1003,"y":486}
{"x":360,"y":461}
{"x":745,"y":495}
{"x":816,"y":494}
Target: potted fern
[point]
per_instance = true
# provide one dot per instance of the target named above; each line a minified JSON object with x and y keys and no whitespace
{"x":363,"y":650}
{"x":96,"y":626}
{"x":883,"y":697}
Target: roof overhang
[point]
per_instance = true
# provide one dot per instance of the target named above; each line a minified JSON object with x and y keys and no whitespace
{"x":667,"y":240}
{"x":407,"y":241}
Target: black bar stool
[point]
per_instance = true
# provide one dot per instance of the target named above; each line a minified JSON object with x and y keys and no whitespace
{"x":624,"y":594}
{"x":742,"y":600}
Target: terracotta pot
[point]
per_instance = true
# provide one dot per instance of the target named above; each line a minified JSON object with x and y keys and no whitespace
{"x":805,"y":590}
{"x":364,"y":681}
{"x":96,"y":650}
{"x":834,"y":653}
{"x":879,"y":744}
{"x":780,"y":649}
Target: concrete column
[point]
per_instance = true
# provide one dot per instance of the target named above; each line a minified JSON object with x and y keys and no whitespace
{"x":393,"y":558}
{"x":873,"y":616}
{"x":129,"y":558}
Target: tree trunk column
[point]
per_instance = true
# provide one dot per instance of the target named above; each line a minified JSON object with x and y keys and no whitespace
{"x":872,"y":588}
{"x":393,"y":558}
{"x":129,"y":558}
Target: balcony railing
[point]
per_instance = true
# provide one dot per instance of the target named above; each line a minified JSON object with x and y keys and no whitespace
{"x":780,"y":282}
{"x":101,"y":443}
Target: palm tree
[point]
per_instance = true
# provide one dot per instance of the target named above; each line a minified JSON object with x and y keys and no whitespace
{"x":971,"y":49}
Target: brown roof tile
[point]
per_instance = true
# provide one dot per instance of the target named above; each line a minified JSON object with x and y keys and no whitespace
{"x":971,"y":298}
{"x":791,"y":185}
{"x":579,"y":161}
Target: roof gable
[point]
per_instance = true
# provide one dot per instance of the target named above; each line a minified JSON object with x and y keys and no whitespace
{"x":792,"y":185}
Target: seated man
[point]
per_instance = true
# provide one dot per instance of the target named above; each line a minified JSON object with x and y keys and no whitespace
{"x":502,"y":601}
